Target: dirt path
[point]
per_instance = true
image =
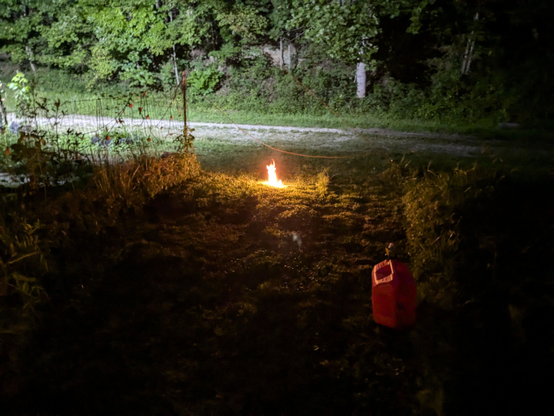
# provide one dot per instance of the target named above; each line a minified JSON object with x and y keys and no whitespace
{"x":70,"y":120}
{"x":310,"y":137}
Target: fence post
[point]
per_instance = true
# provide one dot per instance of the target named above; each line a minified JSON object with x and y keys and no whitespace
{"x":184,"y":88}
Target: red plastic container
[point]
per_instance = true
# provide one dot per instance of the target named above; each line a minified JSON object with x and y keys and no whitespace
{"x":393,"y":295}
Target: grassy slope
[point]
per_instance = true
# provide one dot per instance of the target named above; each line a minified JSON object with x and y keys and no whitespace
{"x":203,"y":302}
{"x":213,"y":306}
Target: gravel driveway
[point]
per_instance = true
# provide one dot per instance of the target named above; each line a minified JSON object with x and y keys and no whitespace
{"x":278,"y":136}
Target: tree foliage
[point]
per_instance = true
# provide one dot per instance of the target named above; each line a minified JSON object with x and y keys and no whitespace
{"x":347,"y":28}
{"x":467,"y":58}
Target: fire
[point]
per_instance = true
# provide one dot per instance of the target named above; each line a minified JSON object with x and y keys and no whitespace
{"x":272,"y":176}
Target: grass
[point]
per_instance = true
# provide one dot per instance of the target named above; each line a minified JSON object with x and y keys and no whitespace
{"x":74,"y":103}
{"x":151,"y":286}
{"x":72,"y":91}
{"x":215,"y":294}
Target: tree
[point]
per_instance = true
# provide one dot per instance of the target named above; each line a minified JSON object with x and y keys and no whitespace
{"x":19,"y":23}
{"x":279,"y":17}
{"x":104,"y":38}
{"x":348,"y":28}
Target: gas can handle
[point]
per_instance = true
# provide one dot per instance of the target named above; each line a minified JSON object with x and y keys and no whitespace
{"x":385,"y":279}
{"x":391,"y":263}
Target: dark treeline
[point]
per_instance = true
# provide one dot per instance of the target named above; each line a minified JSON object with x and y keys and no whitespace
{"x":426,"y":59}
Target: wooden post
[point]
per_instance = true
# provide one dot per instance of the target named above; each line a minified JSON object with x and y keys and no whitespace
{"x":184,"y":88}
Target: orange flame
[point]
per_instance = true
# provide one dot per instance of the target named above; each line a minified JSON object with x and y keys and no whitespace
{"x":272,"y":176}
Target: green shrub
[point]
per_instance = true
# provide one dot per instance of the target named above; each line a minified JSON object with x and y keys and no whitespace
{"x":167,"y":77}
{"x":204,"y":80}
{"x":433,"y":207}
{"x":22,"y":94}
{"x":22,"y":262}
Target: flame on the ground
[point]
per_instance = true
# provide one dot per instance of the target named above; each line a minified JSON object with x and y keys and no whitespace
{"x":272,"y":176}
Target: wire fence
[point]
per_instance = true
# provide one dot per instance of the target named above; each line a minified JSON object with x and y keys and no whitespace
{"x":126,"y":119}
{"x":106,"y":118}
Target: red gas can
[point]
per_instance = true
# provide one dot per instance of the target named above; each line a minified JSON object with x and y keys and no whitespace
{"x":393,"y":295}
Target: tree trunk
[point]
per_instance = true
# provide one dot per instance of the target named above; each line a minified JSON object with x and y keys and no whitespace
{"x":3,"y":112}
{"x":30,"y":55}
{"x":290,"y":57}
{"x":174,"y":54}
{"x":466,"y":62}
{"x":175,"y":65}
{"x":468,"y":55}
{"x":361,"y":79}
{"x":281,"y":53}
{"x":360,"y":75}
{"x":27,"y":48}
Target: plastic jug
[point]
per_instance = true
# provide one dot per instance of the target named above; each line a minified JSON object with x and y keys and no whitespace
{"x":393,"y":295}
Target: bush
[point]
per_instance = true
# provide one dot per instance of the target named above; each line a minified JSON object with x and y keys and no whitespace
{"x":433,"y":207}
{"x":21,"y":261}
{"x":204,"y":80}
{"x":131,"y":184}
{"x":479,"y":243}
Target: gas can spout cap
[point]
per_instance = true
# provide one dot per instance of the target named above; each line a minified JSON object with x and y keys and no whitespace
{"x":390,"y":251}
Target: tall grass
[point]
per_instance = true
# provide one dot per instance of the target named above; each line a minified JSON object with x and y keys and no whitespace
{"x":62,"y":179}
{"x":237,"y":102}
{"x":132,"y":183}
